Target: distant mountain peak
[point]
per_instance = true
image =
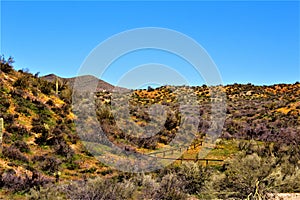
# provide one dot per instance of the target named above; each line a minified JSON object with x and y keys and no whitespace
{"x":85,"y":79}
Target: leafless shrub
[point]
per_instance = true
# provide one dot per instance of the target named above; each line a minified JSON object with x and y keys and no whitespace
{"x":13,"y":153}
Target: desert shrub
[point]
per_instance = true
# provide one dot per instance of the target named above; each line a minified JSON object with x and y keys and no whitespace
{"x":50,"y":102}
{"x":17,"y":93}
{"x":60,"y":145}
{"x":245,"y":175}
{"x":47,"y":163}
{"x":46,"y":87}
{"x":129,"y":187}
{"x":66,"y":108}
{"x":104,"y":112}
{"x":172,"y":121}
{"x":16,"y":183}
{"x":194,"y":177}
{"x":149,"y":186}
{"x":42,"y":129}
{"x":22,"y":82}
{"x":34,"y":91}
{"x":55,"y":136}
{"x":72,"y":165}
{"x":19,"y":100}
{"x":7,"y":138}
{"x":38,"y":128}
{"x":64,"y":149}
{"x":170,"y":187}
{"x":42,"y":139}
{"x":8,"y":119}
{"x":73,"y":137}
{"x":42,"y":110}
{"x":11,"y":181}
{"x":22,"y":146}
{"x":23,"y":110}
{"x":6,"y":68}
{"x":49,"y":191}
{"x":56,"y":110}
{"x":66,"y":95}
{"x":67,"y":130}
{"x":105,"y":172}
{"x":285,"y":183}
{"x":24,"y":105}
{"x":148,"y":143}
{"x":100,"y":189}
{"x":150,"y":89}
{"x":251,"y":146}
{"x":44,"y":116}
{"x":13,"y":153}
{"x":17,"y":129}
{"x":4,"y":104}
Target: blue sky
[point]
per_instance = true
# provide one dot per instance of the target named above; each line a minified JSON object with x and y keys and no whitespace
{"x":250,"y":41}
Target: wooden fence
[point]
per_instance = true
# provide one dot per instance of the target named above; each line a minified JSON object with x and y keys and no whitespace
{"x":181,"y":159}
{"x":194,"y":145}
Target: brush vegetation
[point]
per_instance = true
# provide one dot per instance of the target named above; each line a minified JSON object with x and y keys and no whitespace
{"x":44,"y":158}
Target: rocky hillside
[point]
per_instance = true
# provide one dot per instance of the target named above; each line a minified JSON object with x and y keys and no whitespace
{"x":266,"y":113}
{"x":39,"y":141}
{"x":40,"y":144}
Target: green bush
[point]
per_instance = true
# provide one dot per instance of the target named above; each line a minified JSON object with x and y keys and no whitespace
{"x":4,"y":104}
{"x":23,"y":82}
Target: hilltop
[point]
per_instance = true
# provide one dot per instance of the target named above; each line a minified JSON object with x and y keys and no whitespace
{"x":102,"y":85}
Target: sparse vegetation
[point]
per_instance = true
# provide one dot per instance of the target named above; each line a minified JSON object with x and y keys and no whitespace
{"x":44,"y":158}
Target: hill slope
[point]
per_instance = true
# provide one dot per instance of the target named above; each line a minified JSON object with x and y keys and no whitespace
{"x":39,"y":138}
{"x":40,"y":141}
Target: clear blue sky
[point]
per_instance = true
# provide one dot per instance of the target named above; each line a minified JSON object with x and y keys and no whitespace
{"x":256,"y":42}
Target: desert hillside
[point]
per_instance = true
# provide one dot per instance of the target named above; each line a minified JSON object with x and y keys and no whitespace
{"x":40,"y":145}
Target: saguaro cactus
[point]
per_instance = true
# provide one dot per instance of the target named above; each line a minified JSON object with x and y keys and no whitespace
{"x":56,"y":86}
{"x":1,"y":130}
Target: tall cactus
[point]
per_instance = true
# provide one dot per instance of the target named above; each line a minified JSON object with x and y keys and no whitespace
{"x":1,"y":130}
{"x":56,"y":86}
